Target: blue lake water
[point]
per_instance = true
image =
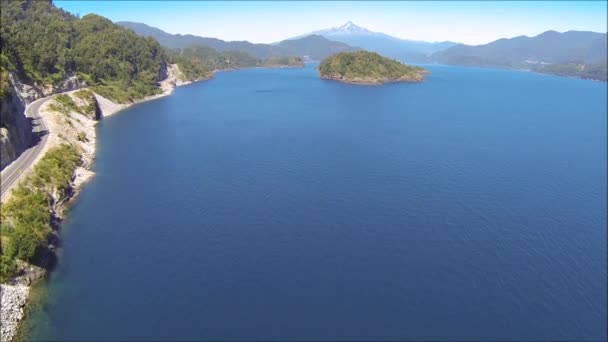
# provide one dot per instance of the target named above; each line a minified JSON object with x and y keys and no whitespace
{"x":269,"y":204}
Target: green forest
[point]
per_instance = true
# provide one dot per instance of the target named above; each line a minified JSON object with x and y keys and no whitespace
{"x":594,"y":71}
{"x":198,"y":62}
{"x":367,"y":66}
{"x":44,"y":45}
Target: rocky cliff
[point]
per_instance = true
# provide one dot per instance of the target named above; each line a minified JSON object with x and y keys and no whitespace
{"x":15,"y":128}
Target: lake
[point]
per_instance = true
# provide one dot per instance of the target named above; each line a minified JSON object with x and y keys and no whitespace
{"x":267,"y":204}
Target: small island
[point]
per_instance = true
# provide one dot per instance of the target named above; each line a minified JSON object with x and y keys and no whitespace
{"x":364,"y":67}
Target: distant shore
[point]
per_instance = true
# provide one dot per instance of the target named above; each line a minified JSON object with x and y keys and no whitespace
{"x":513,"y":69}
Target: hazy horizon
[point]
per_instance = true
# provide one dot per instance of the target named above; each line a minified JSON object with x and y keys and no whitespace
{"x":257,"y":21}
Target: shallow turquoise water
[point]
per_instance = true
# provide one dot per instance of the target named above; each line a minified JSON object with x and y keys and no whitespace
{"x":269,"y":204}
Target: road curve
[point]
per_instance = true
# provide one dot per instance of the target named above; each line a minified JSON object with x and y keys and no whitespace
{"x":12,"y":172}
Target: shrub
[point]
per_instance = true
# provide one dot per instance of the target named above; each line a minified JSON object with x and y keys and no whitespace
{"x":90,"y":109}
{"x":66,"y":103}
{"x":8,"y":268}
{"x":23,"y":243}
{"x":28,"y":207}
{"x":82,"y":136}
{"x":84,"y":94}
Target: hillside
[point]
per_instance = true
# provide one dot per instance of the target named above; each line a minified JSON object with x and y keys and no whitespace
{"x":45,"y":50}
{"x":44,"y":45}
{"x":364,"y":67}
{"x":199,"y":62}
{"x":572,"y":53}
{"x":315,"y":48}
{"x":401,"y":49}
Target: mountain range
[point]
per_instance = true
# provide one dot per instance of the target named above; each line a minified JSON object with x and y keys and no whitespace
{"x":572,"y":53}
{"x":401,"y":49}
{"x":314,"y":47}
{"x":547,"y":47}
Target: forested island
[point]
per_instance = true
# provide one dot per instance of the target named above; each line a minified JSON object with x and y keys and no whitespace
{"x":364,"y":67}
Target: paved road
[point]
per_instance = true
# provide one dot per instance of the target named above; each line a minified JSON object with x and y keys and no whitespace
{"x":14,"y":170}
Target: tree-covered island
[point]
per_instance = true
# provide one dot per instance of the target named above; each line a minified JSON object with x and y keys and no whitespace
{"x":364,"y":67}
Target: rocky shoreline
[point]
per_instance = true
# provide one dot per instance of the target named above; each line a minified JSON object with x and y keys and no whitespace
{"x":66,"y":128}
{"x":374,"y":82}
{"x":368,"y":68}
{"x":13,"y":299}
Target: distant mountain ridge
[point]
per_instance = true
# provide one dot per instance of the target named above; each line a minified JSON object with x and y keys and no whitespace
{"x":572,"y":53}
{"x":549,"y":46}
{"x":402,"y":49}
{"x":312,"y":46}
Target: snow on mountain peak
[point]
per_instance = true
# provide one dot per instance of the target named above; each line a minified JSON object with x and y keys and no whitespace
{"x":349,"y":27}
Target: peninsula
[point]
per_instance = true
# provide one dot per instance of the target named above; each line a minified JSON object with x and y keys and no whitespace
{"x":364,"y":67}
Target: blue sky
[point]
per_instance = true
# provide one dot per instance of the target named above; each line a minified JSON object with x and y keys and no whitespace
{"x":474,"y":22}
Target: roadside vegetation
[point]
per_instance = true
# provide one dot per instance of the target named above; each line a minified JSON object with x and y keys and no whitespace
{"x":27,"y":215}
{"x":91,"y":108}
{"x":65,"y":104}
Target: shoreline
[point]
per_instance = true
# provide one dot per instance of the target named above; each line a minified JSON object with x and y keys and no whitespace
{"x":15,"y":294}
{"x":514,"y":69}
{"x":370,"y":83}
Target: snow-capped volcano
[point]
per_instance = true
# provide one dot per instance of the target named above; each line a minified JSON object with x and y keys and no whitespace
{"x":390,"y":46}
{"x":348,"y":28}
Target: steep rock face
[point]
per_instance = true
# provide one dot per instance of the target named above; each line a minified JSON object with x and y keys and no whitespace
{"x":69,"y":84}
{"x":25,"y":93}
{"x":15,"y":128}
{"x":162,"y":71}
{"x":173,"y":77}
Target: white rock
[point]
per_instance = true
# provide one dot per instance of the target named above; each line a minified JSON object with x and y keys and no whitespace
{"x":12,"y":303}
